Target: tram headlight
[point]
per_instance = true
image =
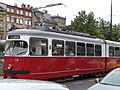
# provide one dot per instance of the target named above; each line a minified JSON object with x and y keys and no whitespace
{"x":9,"y":66}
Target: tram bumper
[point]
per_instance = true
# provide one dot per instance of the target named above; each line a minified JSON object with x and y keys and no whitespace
{"x":14,"y":73}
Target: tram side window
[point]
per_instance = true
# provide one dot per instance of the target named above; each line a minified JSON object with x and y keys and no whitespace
{"x":90,"y":49}
{"x":57,"y":47}
{"x":70,"y":48}
{"x":117,"y":51}
{"x":98,"y":50}
{"x":111,"y":51}
{"x":39,"y":46}
{"x":80,"y":49}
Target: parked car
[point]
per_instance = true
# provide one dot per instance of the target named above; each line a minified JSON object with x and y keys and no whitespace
{"x":20,"y":84}
{"x":110,"y":82}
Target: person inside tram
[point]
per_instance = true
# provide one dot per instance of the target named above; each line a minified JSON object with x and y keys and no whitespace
{"x":54,"y":51}
{"x":71,"y":53}
{"x":33,"y":51}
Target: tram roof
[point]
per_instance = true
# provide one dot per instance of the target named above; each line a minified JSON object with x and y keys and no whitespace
{"x":112,"y":42}
{"x":55,"y":33}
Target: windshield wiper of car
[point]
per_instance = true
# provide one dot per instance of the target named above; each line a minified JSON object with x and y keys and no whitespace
{"x":106,"y":83}
{"x":110,"y":84}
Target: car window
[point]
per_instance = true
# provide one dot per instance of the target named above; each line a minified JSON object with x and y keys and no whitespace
{"x":112,"y":78}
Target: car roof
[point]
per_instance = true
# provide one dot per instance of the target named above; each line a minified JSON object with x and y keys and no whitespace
{"x":21,"y":84}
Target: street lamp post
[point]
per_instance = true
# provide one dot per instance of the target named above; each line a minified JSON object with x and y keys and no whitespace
{"x":111,"y":22}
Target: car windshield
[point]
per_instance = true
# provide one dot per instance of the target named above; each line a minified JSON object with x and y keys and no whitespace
{"x":17,"y":48}
{"x":113,"y":78}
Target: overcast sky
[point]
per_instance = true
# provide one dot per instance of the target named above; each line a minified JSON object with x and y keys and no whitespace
{"x":100,"y":8}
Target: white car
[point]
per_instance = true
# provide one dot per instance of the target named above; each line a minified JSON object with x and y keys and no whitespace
{"x":110,"y":82}
{"x":20,"y":84}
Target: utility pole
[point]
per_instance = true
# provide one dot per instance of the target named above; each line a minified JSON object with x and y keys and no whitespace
{"x":111,"y":22}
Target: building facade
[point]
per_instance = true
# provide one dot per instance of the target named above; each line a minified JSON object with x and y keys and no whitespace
{"x":42,"y":18}
{"x":61,"y":22}
{"x":26,"y":17}
{"x":2,"y":20}
{"x":21,"y":17}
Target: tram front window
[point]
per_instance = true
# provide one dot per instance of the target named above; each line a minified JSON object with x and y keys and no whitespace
{"x":17,"y":48}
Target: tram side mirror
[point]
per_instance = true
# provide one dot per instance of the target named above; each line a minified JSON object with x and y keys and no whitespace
{"x":33,"y":49}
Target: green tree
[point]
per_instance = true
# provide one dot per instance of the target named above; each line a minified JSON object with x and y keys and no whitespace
{"x":116,"y":33}
{"x":103,"y":28}
{"x":69,"y":27}
{"x":85,"y":23}
{"x":2,"y":48}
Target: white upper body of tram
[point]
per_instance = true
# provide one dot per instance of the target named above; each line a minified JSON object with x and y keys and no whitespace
{"x":22,"y":41}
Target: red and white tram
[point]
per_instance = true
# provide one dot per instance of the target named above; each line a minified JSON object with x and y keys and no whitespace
{"x":43,"y":54}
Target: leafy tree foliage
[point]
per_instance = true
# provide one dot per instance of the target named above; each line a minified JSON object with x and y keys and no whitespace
{"x":2,"y":48}
{"x":86,"y":23}
{"x":103,"y":28}
{"x":116,"y":33}
{"x":69,"y":27}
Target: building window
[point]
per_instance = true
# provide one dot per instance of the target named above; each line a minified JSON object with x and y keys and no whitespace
{"x":17,"y":20}
{"x":12,"y":10}
{"x":21,"y":21}
{"x":29,"y":22}
{"x":8,"y":9}
{"x":21,"y":12}
{"x":26,"y":13}
{"x":8,"y":19}
{"x":30,"y":14}
{"x":26,"y":22}
{"x":18,"y":11}
{"x":12,"y":19}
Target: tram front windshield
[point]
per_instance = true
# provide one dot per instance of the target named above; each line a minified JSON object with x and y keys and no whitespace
{"x":16,"y":48}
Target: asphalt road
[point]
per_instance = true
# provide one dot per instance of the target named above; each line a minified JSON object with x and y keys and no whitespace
{"x":80,"y":84}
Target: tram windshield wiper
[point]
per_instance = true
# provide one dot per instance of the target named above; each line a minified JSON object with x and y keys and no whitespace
{"x":22,"y":52}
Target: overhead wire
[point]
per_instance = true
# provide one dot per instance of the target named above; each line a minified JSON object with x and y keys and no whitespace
{"x":51,"y":11}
